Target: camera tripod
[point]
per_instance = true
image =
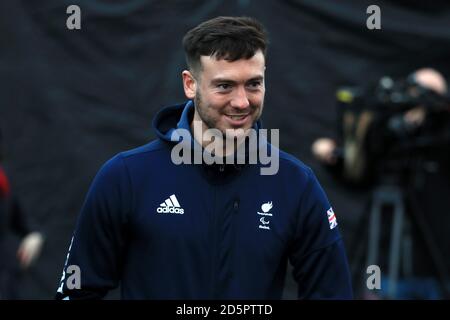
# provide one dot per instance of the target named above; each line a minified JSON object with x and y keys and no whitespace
{"x":405,"y":212}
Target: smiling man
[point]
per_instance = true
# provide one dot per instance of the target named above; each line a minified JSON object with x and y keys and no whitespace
{"x":227,"y":94}
{"x":165,"y":229}
{"x":225,"y":81}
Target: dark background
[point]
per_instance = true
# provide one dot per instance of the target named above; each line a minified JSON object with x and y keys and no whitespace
{"x":71,"y":99}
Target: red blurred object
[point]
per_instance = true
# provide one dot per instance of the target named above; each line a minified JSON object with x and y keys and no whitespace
{"x":4,"y":184}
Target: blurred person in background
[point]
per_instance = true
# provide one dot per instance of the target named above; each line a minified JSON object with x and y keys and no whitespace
{"x":330,"y":153}
{"x":14,"y":221}
{"x":423,"y":173}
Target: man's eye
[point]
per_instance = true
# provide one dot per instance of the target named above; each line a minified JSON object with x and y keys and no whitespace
{"x":255,"y":84}
{"x":224,"y":86}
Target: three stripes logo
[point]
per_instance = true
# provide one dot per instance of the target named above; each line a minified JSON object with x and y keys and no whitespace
{"x":171,"y":205}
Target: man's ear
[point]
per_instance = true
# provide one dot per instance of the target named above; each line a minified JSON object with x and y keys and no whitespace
{"x":189,"y":84}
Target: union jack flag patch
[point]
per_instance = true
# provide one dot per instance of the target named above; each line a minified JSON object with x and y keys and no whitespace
{"x":331,"y":218}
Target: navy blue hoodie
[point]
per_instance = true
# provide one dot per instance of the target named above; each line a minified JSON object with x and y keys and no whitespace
{"x":166,"y":231}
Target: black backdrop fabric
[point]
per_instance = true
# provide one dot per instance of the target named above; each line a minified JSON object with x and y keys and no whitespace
{"x":71,"y":99}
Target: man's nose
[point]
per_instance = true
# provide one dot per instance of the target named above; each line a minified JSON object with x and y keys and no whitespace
{"x":240,"y":99}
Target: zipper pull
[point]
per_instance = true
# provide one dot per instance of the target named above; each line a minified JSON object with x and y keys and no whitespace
{"x":236,"y":204}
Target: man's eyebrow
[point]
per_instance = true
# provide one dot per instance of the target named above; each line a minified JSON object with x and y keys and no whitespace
{"x":225,"y":80}
{"x":222,"y":80}
{"x":257,"y":78}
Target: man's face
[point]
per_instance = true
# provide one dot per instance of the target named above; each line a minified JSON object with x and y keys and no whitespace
{"x":229,"y":95}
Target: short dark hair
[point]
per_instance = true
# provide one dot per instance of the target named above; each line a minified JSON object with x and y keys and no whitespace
{"x":229,"y":38}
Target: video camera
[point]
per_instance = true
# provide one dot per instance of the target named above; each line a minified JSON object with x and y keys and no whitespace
{"x":375,"y":132}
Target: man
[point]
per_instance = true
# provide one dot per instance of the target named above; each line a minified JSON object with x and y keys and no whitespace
{"x":13,"y":220}
{"x":415,"y":135}
{"x":329,"y":153}
{"x":220,"y":230}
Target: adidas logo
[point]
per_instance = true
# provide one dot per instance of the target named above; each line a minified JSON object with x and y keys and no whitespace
{"x":171,"y":205}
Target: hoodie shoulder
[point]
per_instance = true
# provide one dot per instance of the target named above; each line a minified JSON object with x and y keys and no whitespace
{"x":153,"y":146}
{"x":294,"y":163}
{"x":117,"y":166}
